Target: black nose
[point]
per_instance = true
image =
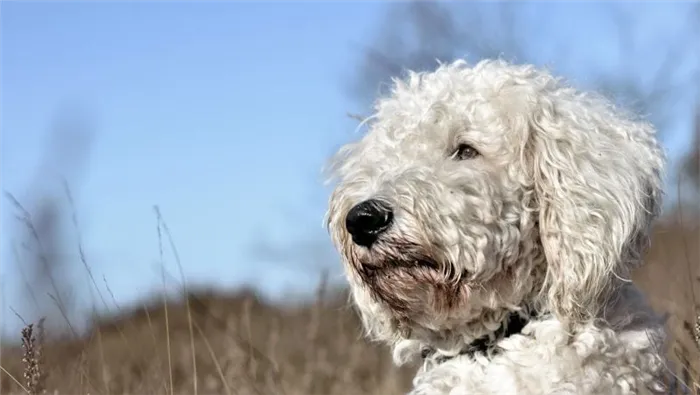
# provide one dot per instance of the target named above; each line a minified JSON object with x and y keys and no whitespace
{"x":367,"y":220}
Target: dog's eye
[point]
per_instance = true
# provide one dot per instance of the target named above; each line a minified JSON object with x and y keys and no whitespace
{"x":464,"y":152}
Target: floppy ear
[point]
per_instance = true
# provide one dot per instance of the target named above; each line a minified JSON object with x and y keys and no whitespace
{"x":597,"y":179}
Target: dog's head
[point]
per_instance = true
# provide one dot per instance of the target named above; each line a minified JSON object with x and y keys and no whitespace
{"x":479,"y":190}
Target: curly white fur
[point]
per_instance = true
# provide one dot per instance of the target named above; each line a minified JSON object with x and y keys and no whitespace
{"x":551,"y":215}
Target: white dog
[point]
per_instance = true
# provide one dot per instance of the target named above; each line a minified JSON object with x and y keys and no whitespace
{"x":488,"y":221}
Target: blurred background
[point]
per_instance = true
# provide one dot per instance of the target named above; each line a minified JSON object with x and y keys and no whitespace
{"x":157,"y":150}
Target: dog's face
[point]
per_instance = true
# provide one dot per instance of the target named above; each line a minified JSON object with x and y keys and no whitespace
{"x":452,"y":210}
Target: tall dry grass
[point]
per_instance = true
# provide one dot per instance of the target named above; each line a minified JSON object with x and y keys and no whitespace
{"x":241,"y":345}
{"x":671,"y":279}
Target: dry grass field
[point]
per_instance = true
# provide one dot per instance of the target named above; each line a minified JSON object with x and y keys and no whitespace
{"x":236,"y":344}
{"x":671,"y":278}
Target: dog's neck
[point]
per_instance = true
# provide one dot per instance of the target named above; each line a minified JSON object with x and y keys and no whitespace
{"x":512,"y":325}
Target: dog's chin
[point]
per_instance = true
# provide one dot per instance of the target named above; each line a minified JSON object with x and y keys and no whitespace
{"x":412,"y":285}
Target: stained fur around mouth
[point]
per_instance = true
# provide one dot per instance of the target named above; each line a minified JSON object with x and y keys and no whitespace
{"x":390,"y":255}
{"x":411,"y":256}
{"x":401,"y":274}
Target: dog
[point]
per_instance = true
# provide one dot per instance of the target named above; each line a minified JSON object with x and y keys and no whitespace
{"x":488,"y":222}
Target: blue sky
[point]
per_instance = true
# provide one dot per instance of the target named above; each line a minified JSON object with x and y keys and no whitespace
{"x":222,"y":114}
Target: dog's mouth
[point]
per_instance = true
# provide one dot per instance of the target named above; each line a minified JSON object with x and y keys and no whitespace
{"x":412,"y":265}
{"x":395,"y":254}
{"x":413,"y":284}
{"x":393,"y":261}
{"x":387,"y":265}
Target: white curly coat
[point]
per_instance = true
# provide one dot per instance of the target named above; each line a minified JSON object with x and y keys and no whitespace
{"x":551,"y":215}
